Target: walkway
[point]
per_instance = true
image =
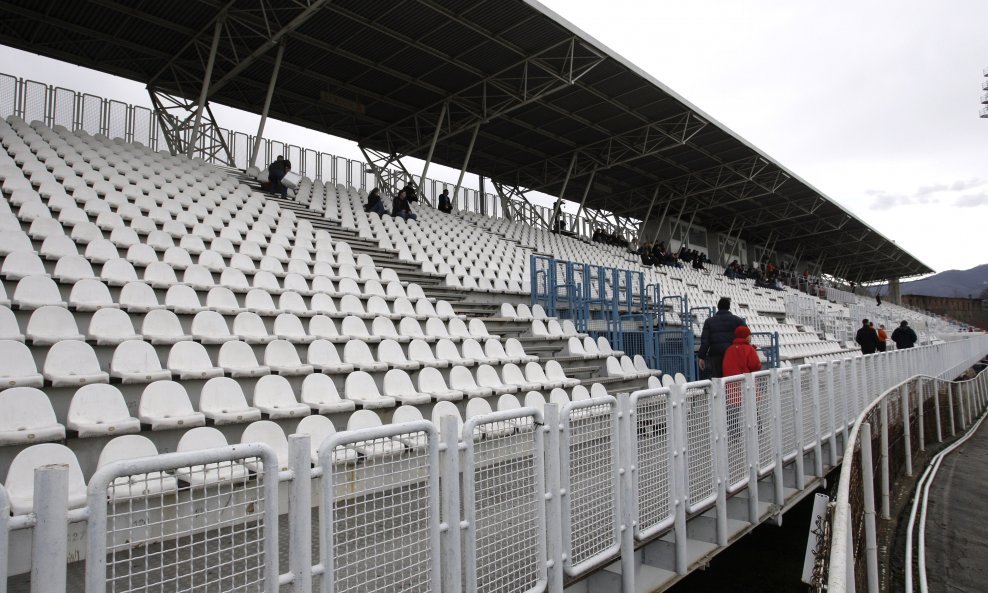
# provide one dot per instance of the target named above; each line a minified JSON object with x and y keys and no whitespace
{"x":957,"y":520}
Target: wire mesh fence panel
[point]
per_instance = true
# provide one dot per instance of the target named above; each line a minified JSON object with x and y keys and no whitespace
{"x":787,"y":409}
{"x":737,"y":457}
{"x":806,"y":405}
{"x":698,"y":407}
{"x":91,"y":118}
{"x":201,"y":521}
{"x":379,"y":520}
{"x":824,"y":403}
{"x":144,"y":127}
{"x":765,"y":417}
{"x":9,"y":88}
{"x":63,"y":108}
{"x":503,"y":488}
{"x":240,"y":146}
{"x":652,"y":441}
{"x":117,"y":117}
{"x":589,"y":474}
{"x":35,"y":101}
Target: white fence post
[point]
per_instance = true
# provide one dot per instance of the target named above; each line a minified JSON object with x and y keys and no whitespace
{"x":451,"y":525}
{"x":50,"y":548}
{"x":906,"y":429}
{"x":681,"y":480}
{"x":868,"y":496}
{"x":751,"y":446}
{"x":718,"y":418}
{"x":884,"y":409}
{"x":300,"y":513}
{"x":553,"y":517}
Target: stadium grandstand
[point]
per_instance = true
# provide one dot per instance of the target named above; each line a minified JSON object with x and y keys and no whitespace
{"x":210,"y":386}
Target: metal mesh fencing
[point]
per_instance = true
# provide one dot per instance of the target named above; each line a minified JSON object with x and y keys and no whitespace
{"x":116,"y":120}
{"x":174,"y":524}
{"x":737,"y":459}
{"x":806,"y":405}
{"x":652,"y":444}
{"x":589,"y":463}
{"x":698,"y":407}
{"x":766,"y":425}
{"x":35,"y":100}
{"x":379,"y":520}
{"x":823,"y":399}
{"x":787,"y":410}
{"x":63,"y":108}
{"x":503,"y":488}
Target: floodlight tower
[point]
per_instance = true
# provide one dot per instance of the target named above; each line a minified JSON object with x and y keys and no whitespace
{"x":984,"y":97}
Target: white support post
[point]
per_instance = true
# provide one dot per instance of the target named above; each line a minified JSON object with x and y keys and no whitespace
{"x":193,"y":136}
{"x":818,"y":447}
{"x":950,"y":408}
{"x":49,"y":546}
{"x":451,"y":525}
{"x":751,"y":445}
{"x":832,"y":412}
{"x":267,"y":105}
{"x":679,"y":485}
{"x":628,"y":461}
{"x":936,"y":410}
{"x":797,"y":415}
{"x":885,"y":485}
{"x":553,"y":498}
{"x":868,"y":494}
{"x":300,"y":514}
{"x":906,"y":430}
{"x":718,"y":417}
{"x":776,"y":404}
{"x":432,"y":146}
{"x":920,"y":411}
{"x":562,"y":192}
{"x":466,"y":162}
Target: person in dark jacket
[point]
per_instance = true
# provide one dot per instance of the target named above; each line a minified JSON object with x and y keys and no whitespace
{"x":867,"y":338}
{"x":374,"y":203}
{"x":276,"y":172}
{"x":904,"y":336}
{"x":402,"y":208}
{"x":410,"y":193}
{"x":445,"y":204}
{"x":716,"y":337}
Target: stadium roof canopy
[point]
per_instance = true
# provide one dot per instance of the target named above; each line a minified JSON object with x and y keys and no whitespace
{"x":541,"y":101}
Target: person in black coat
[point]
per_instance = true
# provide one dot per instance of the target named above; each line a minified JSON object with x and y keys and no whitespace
{"x":716,"y":337}
{"x":401,"y":207}
{"x":374,"y":203}
{"x":904,"y":336}
{"x":867,"y":338}
{"x":445,"y":204}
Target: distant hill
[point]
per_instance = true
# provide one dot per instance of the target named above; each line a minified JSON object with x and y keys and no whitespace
{"x":952,"y":283}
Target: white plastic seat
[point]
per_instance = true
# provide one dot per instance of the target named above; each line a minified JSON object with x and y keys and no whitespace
{"x":198,"y":276}
{"x":117,"y":272}
{"x":73,"y":362}
{"x":443,"y":409}
{"x":27,"y":417}
{"x":273,"y":395}
{"x":249,"y":327}
{"x":323,"y":356}
{"x":320,"y":429}
{"x":579,"y":393}
{"x":356,"y":329}
{"x":654,"y":382}
{"x":436,"y":329}
{"x":508,"y":312}
{"x":495,"y":352}
{"x":471,"y":349}
{"x":165,"y":405}
{"x":282,"y":358}
{"x":384,"y":328}
{"x":288,"y":326}
{"x":9,"y":329}
{"x":461,"y":379}
{"x":100,"y":410}
{"x":361,"y":388}
{"x":555,"y":373}
{"x":222,"y":401}
{"x":269,"y":433}
{"x":458,"y":330}
{"x":487,"y":377}
{"x":222,"y":300}
{"x":511,"y":374}
{"x":420,"y":352}
{"x":479,"y":331}
{"x":574,"y":348}
{"x":36,"y":291}
{"x":161,"y":326}
{"x":605,"y":347}
{"x":514,"y":349}
{"x":598,"y":390}
{"x":130,"y":447}
{"x":559,"y":397}
{"x":49,"y":325}
{"x":390,"y":352}
{"x":612,"y":367}
{"x":629,"y":370}
{"x":111,"y":327}
{"x":363,"y":419}
{"x":21,"y":264}
{"x":90,"y":294}
{"x":398,"y":385}
{"x":138,"y":297}
{"x":17,"y":368}
{"x":642,"y":367}
{"x":323,"y":327}
{"x":446,"y":350}
{"x":358,"y":354}
{"x":403,"y":415}
{"x":20,"y":476}
{"x":319,"y":393}
{"x":135,"y":361}
{"x":200,"y":439}
{"x":507,"y":402}
{"x":189,"y":360}
{"x":237,"y":359}
{"x":209,"y":327}
{"x":534,"y":399}
{"x":183,"y":299}
{"x":411,"y":328}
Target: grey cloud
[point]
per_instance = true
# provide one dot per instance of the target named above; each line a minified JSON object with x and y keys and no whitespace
{"x":886,"y":201}
{"x":972,"y":200}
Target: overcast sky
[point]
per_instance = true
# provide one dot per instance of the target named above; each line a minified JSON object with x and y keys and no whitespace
{"x":874,"y":103}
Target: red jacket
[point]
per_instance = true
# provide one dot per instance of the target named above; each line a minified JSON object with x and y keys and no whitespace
{"x":741,"y":357}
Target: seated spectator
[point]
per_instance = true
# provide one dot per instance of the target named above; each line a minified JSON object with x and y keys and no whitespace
{"x":374,"y":203}
{"x":645,"y":252}
{"x":445,"y":204}
{"x":276,"y":172}
{"x":401,"y":207}
{"x":697,"y":260}
{"x":410,"y":193}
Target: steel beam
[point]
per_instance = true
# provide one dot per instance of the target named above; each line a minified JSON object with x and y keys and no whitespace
{"x":267,"y":105}
{"x":205,"y":86}
{"x":432,"y":146}
{"x":466,"y":162}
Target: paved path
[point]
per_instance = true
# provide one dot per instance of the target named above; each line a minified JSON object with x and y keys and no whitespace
{"x":957,"y":520}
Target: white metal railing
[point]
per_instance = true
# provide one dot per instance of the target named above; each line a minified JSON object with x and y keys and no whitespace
{"x":919,"y":399}
{"x":519,"y":500}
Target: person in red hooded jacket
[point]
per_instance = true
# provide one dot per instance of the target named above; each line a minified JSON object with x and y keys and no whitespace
{"x":739,"y":358}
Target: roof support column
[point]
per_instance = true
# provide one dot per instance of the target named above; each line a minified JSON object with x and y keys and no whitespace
{"x":641,"y":227}
{"x":672,"y":230}
{"x":432,"y":147}
{"x":736,"y":248}
{"x":267,"y":105}
{"x":686,"y":238}
{"x":562,"y":192}
{"x":205,"y":85}
{"x":662,"y":221}
{"x":466,"y":162}
{"x":586,"y":192}
{"x":727,"y":239}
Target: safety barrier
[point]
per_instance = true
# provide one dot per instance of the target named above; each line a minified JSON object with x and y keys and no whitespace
{"x":517,"y":500}
{"x":920,"y":408}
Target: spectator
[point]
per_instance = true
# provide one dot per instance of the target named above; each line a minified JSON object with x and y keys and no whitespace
{"x":716,"y":337}
{"x":401,"y":207}
{"x":878,"y":300}
{"x":698,"y":259}
{"x":882,"y":338}
{"x":276,"y":172}
{"x":374,"y":203}
{"x":741,"y":357}
{"x":645,"y":252}
{"x":867,"y":338}
{"x":410,"y":194}
{"x":445,"y":204}
{"x":904,"y":336}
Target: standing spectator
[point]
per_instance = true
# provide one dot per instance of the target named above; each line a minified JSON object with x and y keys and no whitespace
{"x":904,"y":336}
{"x":374,"y":203}
{"x":445,"y":204}
{"x":402,"y":208}
{"x":276,"y":172}
{"x":867,"y":338}
{"x":716,"y":337}
{"x":741,"y":357}
{"x":878,"y":300}
{"x":882,"y":338}
{"x":410,"y":193}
